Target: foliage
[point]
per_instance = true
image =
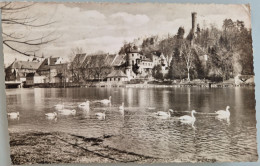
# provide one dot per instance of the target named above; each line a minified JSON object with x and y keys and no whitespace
{"x":157,"y":72}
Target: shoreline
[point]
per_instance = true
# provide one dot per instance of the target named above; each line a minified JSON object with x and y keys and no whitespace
{"x":144,"y":85}
{"x":59,"y":148}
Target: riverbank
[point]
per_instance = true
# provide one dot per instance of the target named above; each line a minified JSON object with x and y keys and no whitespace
{"x":145,"y":85}
{"x":56,"y":148}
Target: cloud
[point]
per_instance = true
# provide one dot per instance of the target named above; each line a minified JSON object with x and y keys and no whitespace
{"x":130,"y":19}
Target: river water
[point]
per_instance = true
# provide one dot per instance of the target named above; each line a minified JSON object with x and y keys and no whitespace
{"x":138,"y":129}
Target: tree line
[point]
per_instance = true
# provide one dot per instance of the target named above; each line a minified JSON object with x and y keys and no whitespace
{"x":210,"y":53}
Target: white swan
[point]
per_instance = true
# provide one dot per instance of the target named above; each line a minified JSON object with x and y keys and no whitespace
{"x":13,"y":115}
{"x":84,"y":104}
{"x":101,"y":115}
{"x":164,"y":114}
{"x":106,"y":101}
{"x":122,"y":107}
{"x":223,"y":113}
{"x":59,"y":106}
{"x":67,"y":112}
{"x":51,"y":115}
{"x":187,"y":118}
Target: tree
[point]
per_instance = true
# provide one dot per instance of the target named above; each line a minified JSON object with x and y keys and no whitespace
{"x":222,"y":63}
{"x":15,"y":17}
{"x":99,"y":68}
{"x":180,"y":33}
{"x":76,"y":63}
{"x":186,"y":53}
{"x":157,"y":72}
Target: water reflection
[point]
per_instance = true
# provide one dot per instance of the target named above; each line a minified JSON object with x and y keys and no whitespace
{"x":137,"y":129}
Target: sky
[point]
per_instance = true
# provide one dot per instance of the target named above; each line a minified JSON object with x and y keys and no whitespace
{"x":106,"y":26}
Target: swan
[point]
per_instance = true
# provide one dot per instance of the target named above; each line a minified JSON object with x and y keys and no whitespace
{"x":59,"y":106}
{"x":187,"y":118}
{"x":13,"y":115}
{"x":106,"y":101}
{"x":51,"y":115}
{"x":122,"y":107}
{"x":164,"y":114}
{"x":101,"y":115}
{"x":67,"y":112}
{"x":223,"y":113}
{"x":84,"y":104}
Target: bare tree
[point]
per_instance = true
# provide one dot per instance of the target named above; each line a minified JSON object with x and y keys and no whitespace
{"x":186,"y":53}
{"x":14,"y":14}
{"x":100,"y":68}
{"x":76,"y":63}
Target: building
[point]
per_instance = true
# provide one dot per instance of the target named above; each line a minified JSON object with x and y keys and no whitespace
{"x":53,"y":68}
{"x":98,"y":66}
{"x":34,"y":78}
{"x":18,"y":70}
{"x":140,"y":66}
{"x":117,"y":76}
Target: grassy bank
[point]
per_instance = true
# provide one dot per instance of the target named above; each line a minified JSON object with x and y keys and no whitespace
{"x":46,"y":148}
{"x":56,"y":147}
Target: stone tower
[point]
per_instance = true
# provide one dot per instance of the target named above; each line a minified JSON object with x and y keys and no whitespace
{"x":194,"y":26}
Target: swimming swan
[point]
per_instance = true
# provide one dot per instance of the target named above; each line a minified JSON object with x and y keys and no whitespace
{"x":106,"y":101}
{"x":101,"y":115}
{"x":164,"y":114}
{"x":187,"y":118}
{"x":13,"y":115}
{"x":224,"y":113}
{"x":67,"y":112}
{"x":51,"y":115}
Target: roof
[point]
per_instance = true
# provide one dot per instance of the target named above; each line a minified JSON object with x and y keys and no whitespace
{"x":105,"y":60}
{"x":79,"y":59}
{"x":25,"y":65}
{"x":119,"y":60}
{"x":147,"y":59}
{"x":32,"y":74}
{"x":46,"y":66}
{"x":116,"y":73}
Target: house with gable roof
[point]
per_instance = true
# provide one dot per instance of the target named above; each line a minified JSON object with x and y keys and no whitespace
{"x":18,"y":70}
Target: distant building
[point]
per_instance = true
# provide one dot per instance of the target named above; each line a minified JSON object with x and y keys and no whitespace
{"x":97,"y":67}
{"x":117,"y":76}
{"x":34,"y":78}
{"x":52,"y":68}
{"x":18,"y":70}
{"x":140,"y":66}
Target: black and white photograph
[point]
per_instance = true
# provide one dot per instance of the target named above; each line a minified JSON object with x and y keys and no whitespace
{"x":129,"y":82}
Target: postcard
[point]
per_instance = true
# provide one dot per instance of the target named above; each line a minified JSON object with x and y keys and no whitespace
{"x":129,"y":82}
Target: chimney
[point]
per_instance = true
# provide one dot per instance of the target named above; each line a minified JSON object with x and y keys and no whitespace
{"x":194,"y":22}
{"x":49,"y":60}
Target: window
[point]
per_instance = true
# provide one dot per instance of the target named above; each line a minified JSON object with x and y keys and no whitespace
{"x":118,"y":79}
{"x":133,"y":55}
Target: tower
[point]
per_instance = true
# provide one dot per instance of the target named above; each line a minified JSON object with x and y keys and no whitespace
{"x":194,"y":22}
{"x":194,"y":26}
